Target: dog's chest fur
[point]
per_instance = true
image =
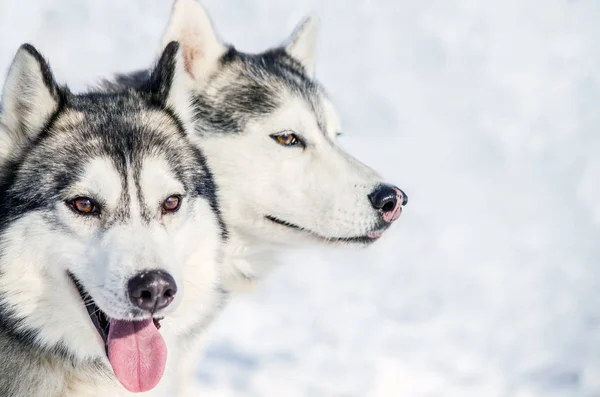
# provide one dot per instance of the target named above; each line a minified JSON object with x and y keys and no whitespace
{"x":29,"y":372}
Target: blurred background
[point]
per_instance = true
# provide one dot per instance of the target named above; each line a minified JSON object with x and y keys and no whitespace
{"x":487,"y":113}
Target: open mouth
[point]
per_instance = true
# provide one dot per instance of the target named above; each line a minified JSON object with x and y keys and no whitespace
{"x":98,"y":317}
{"x":135,"y":348}
{"x":366,"y":239}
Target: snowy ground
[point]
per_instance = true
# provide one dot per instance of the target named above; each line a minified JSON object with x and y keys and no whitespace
{"x":487,"y":113}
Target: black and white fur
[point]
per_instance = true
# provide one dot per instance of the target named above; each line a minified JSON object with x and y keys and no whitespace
{"x":128,"y":151}
{"x":273,"y":196}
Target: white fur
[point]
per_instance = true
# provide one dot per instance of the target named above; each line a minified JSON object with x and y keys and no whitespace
{"x":100,"y":179}
{"x":156,"y":170}
{"x":178,"y":98}
{"x":302,"y":43}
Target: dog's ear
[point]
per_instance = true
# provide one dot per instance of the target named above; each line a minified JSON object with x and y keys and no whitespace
{"x":190,"y":25}
{"x":29,"y":99}
{"x":301,"y":45}
{"x":170,"y":85}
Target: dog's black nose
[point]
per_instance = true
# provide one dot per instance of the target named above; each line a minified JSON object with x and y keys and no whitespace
{"x":388,"y":199}
{"x":152,"y":290}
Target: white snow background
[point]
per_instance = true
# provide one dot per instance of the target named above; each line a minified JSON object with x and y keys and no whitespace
{"x":487,"y":113}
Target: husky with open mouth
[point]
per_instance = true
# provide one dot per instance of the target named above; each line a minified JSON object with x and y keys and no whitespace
{"x":105,"y":209}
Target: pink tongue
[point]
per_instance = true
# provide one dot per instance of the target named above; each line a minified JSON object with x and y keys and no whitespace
{"x":137,"y":354}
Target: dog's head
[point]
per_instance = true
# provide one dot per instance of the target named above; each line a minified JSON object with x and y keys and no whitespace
{"x":103,"y":203}
{"x":270,"y":135}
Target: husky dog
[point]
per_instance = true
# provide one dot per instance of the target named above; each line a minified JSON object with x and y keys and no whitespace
{"x":269,"y":133}
{"x":105,"y":209}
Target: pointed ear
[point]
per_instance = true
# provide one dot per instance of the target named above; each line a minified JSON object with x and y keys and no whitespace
{"x":29,"y":98}
{"x":190,"y":25}
{"x":301,"y":45}
{"x":170,"y":85}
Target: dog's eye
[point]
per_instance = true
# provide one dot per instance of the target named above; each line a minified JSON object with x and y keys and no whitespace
{"x":84,"y":206}
{"x":171,"y":204}
{"x":287,"y":139}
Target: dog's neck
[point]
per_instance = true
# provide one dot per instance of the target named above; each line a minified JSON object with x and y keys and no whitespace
{"x":246,"y":260}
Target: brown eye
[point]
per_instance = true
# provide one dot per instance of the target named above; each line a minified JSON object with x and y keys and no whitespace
{"x":84,"y":206}
{"x":287,"y":139}
{"x":171,"y":204}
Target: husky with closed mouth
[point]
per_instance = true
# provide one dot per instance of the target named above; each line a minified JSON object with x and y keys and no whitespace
{"x":107,"y":215}
{"x":269,"y":133}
